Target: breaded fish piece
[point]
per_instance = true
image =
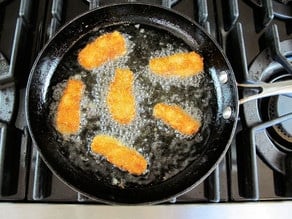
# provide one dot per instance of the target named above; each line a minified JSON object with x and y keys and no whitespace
{"x":177,"y":118}
{"x":123,"y":157}
{"x":120,"y":99}
{"x":105,"y":48}
{"x":180,"y":64}
{"x":68,"y":111}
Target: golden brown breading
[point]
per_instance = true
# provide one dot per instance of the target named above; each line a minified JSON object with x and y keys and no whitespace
{"x":107,"y":47}
{"x":68,"y":111}
{"x":122,"y":156}
{"x":120,"y":99}
{"x":180,"y":64}
{"x":177,"y":118}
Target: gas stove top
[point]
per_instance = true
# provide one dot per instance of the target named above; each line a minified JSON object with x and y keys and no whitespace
{"x":256,"y":37}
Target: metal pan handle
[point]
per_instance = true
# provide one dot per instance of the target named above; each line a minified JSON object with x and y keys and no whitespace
{"x":267,"y":89}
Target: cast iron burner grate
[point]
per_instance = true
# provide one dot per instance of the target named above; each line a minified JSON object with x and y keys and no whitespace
{"x":275,"y":142}
{"x":280,"y":8}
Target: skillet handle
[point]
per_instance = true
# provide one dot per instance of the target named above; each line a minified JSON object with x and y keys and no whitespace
{"x":267,"y":90}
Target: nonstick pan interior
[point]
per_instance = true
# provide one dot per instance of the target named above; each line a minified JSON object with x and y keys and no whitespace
{"x":176,"y":163}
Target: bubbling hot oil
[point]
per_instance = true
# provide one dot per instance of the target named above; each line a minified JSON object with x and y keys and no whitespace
{"x":166,"y":150}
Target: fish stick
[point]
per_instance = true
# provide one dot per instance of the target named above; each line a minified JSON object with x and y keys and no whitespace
{"x":68,"y":111}
{"x":105,"y":48}
{"x":120,"y":99}
{"x":177,"y":118}
{"x":123,"y":157}
{"x":180,"y":64}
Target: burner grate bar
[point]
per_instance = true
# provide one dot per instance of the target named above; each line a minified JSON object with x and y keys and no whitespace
{"x":203,"y":14}
{"x":25,"y":10}
{"x":93,"y":4}
{"x":42,"y":183}
{"x":166,"y":3}
{"x":56,"y":17}
{"x":230,"y":14}
{"x":203,"y":11}
{"x":20,"y":43}
{"x":57,"y":7}
{"x":247,"y":167}
{"x":212,"y":186}
{"x":3,"y":134}
{"x":169,"y":3}
{"x":264,"y":14}
{"x":10,"y":163}
{"x":268,"y":13}
{"x":271,"y":40}
{"x":237,"y":59}
{"x":288,"y":176}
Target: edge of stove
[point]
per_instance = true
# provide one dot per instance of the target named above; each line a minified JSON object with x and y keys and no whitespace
{"x":224,"y":210}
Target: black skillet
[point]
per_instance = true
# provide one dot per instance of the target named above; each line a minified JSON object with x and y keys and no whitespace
{"x":223,"y":109}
